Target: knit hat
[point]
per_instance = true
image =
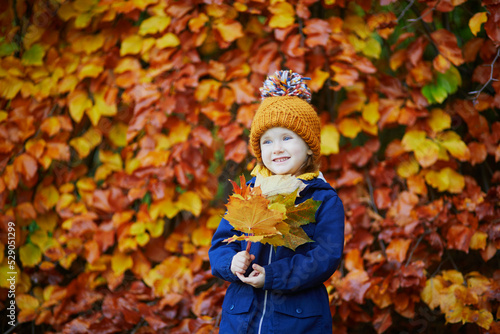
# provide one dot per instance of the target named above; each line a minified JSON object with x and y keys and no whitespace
{"x":285,"y":103}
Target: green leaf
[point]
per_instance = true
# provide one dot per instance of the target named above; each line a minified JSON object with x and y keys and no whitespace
{"x":6,"y":49}
{"x":427,"y":92}
{"x":33,"y":56}
{"x":438,"y":93}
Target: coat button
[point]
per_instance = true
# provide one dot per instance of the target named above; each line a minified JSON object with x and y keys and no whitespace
{"x":299,"y":310}
{"x":232,"y":307}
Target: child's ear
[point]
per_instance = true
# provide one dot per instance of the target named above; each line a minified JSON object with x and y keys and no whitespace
{"x":309,"y":152}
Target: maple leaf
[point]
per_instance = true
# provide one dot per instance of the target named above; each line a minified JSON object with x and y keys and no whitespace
{"x":278,"y":184}
{"x":268,"y":214}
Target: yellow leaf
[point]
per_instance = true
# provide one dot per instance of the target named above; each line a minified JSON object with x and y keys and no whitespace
{"x":215,"y":218}
{"x":329,"y":140}
{"x":47,"y":195}
{"x":318,"y":79}
{"x":196,"y":23}
{"x":3,"y":116}
{"x":118,"y":134}
{"x":155,"y":228}
{"x":283,"y":15}
{"x":439,"y":120}
{"x":131,"y":165}
{"x":50,"y":126}
{"x":30,"y":255}
{"x":81,"y":145}
{"x":154,"y":24}
{"x":40,"y":238}
{"x":68,"y":84}
{"x":142,"y":239}
{"x":137,"y":228}
{"x":413,"y":139}
{"x":201,"y":236}
{"x":78,"y":102}
{"x":131,"y":45}
{"x":357,"y":25}
{"x":208,"y":88}
{"x":431,"y":294}
{"x":445,"y":180}
{"x":27,"y":302}
{"x":190,"y":201}
{"x":66,"y":11}
{"x":100,"y":108}
{"x":90,"y":71}
{"x":86,"y":184}
{"x":370,"y":112}
{"x":372,"y":48}
{"x":478,"y":240}
{"x":112,"y":159}
{"x":10,"y":87}
{"x":408,"y":168}
{"x":278,"y":184}
{"x":349,"y":127}
{"x":121,"y":262}
{"x":453,"y":276}
{"x":169,"y":40}
{"x":230,"y":30}
{"x":484,"y":319}
{"x":454,"y":144}
{"x":88,"y":43}
{"x":179,"y":133}
{"x":47,"y":222}
{"x":67,"y":260}
{"x":427,"y":153}
{"x":476,"y":21}
{"x":163,"y":208}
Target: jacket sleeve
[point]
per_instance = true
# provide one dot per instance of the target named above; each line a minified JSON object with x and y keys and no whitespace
{"x":221,"y":253}
{"x":302,"y":271}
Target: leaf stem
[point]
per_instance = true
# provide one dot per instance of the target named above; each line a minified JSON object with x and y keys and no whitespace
{"x":478,"y":92}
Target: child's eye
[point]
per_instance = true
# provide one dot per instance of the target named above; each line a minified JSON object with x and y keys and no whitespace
{"x":287,"y":138}
{"x":266,"y":142}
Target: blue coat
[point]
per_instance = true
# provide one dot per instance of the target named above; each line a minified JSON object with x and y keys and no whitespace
{"x":294,"y":299}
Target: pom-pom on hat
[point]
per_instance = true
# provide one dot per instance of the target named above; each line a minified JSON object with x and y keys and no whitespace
{"x":285,"y":104}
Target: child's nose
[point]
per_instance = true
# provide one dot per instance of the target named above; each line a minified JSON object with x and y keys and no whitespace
{"x":277,"y":148}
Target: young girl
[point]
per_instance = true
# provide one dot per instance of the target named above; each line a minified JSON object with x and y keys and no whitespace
{"x":280,"y":290}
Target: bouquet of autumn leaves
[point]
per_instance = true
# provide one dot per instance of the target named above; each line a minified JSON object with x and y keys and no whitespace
{"x":267,"y":212}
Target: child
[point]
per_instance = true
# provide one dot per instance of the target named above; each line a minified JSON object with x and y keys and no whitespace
{"x":284,"y":292}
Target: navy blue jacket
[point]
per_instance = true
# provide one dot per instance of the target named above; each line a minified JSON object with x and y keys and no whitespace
{"x":294,"y":298}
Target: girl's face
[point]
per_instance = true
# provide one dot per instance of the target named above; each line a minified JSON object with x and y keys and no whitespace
{"x":283,"y":151}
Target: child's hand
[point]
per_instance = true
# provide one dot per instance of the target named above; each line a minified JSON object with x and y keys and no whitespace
{"x":256,"y":278}
{"x":240,"y":262}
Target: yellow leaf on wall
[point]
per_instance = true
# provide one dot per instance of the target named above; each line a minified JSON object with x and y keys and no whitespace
{"x":318,"y":79}
{"x":329,"y":140}
{"x":78,"y":102}
{"x":439,"y":120}
{"x":30,"y":255}
{"x":120,"y":262}
{"x":445,"y":180}
{"x":169,"y":40}
{"x":283,"y":15}
{"x":230,"y":30}
{"x":454,"y":144}
{"x":154,"y":24}
{"x":476,"y":21}
{"x":190,"y":201}
{"x":349,"y":127}
{"x":370,"y":112}
{"x":131,"y":45}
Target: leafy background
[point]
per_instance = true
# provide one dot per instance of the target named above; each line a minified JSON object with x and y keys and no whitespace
{"x":121,"y":122}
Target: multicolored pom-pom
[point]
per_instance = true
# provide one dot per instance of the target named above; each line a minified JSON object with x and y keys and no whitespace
{"x":286,"y":83}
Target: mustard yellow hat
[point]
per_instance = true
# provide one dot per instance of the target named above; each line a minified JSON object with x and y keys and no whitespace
{"x":285,"y":103}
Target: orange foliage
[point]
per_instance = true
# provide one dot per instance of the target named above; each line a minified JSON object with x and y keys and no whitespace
{"x":120,"y":122}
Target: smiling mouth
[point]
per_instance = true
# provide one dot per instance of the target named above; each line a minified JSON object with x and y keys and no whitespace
{"x":280,"y":159}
